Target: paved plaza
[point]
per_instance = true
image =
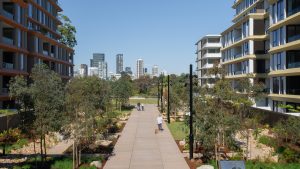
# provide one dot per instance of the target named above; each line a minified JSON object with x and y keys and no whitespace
{"x":140,"y":148}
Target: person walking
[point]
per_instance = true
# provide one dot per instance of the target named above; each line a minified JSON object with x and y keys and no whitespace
{"x":138,"y":106}
{"x":159,"y":122}
{"x":142,"y":105}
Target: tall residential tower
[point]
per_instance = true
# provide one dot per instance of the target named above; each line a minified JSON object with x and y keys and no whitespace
{"x":139,"y":68}
{"x":119,"y":63}
{"x":29,"y":36}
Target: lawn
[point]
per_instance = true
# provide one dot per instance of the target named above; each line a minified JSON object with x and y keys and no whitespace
{"x":179,"y":130}
{"x":143,"y":101}
{"x":59,"y":163}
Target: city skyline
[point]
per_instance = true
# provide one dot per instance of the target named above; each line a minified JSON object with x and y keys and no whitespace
{"x":148,"y":31}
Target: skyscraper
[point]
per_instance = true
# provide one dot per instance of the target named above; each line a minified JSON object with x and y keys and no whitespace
{"x":139,"y":68}
{"x":128,"y":70}
{"x":97,"y":58}
{"x":103,"y":70}
{"x":83,"y":70}
{"x":155,"y":71}
{"x":119,"y":63}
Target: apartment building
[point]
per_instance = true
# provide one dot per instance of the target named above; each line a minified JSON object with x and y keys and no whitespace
{"x":284,"y":54}
{"x":208,"y":54}
{"x":264,"y":43}
{"x":140,"y":68}
{"x":28,"y":36}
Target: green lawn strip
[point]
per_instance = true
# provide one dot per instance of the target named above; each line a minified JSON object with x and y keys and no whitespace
{"x":143,"y":101}
{"x":61,"y":163}
{"x":18,"y":145}
{"x":178,"y":129}
{"x":264,"y":165}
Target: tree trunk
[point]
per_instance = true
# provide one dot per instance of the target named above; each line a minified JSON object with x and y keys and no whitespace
{"x":41,"y":147}
{"x":74,"y":155}
{"x":45,"y":148}
{"x":3,"y":152}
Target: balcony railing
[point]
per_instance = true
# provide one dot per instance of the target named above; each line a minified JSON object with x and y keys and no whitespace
{"x":238,"y":72}
{"x":4,"y":91}
{"x":293,"y":11}
{"x":293,"y":65}
{"x":237,"y":55}
{"x":8,"y":15}
{"x":8,"y":41}
{"x":293,"y":91}
{"x":8,"y":65}
{"x":293,"y":38}
{"x":45,"y":52}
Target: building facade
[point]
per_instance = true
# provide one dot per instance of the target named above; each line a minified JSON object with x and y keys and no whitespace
{"x":97,"y":58}
{"x":119,"y":63}
{"x":208,"y":54}
{"x":83,"y":70}
{"x":128,"y":70}
{"x":264,"y":42}
{"x":139,"y":68}
{"x":29,"y":36}
{"x":155,"y":71}
{"x":103,"y":73}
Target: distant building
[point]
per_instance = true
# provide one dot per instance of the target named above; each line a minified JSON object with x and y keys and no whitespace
{"x":208,"y":54}
{"x":139,"y":68}
{"x":103,"y":70}
{"x":83,"y":70}
{"x":93,"y":71}
{"x":128,"y":70}
{"x":119,"y":63}
{"x":145,"y":71}
{"x":97,"y":58}
{"x":155,"y":71}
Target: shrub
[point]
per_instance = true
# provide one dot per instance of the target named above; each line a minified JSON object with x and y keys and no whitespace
{"x":62,"y":164}
{"x":266,"y":140}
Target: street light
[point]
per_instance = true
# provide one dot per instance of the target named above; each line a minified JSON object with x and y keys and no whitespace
{"x":191,"y":137}
{"x":169,"y":99}
{"x":161,"y":93}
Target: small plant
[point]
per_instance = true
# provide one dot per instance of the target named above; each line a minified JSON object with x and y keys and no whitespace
{"x":268,"y":141}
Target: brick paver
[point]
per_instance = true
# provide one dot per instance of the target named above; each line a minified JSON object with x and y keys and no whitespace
{"x":140,"y":148}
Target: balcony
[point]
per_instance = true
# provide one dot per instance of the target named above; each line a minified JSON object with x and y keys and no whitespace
{"x":237,"y":56}
{"x":8,"y":40}
{"x":8,"y":14}
{"x":293,"y":65}
{"x":8,"y":65}
{"x":45,"y":53}
{"x":238,"y":72}
{"x":293,"y":91}
{"x":293,"y":7}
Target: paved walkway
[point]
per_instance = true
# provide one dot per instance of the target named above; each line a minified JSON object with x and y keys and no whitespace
{"x":140,"y":148}
{"x":60,"y":148}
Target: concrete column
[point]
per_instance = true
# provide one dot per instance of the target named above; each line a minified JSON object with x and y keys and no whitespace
{"x":251,"y":66}
{"x":251,"y":47}
{"x":251,"y":27}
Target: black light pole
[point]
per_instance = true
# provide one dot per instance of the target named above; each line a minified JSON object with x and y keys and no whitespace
{"x":158,"y":95}
{"x":161,"y":94}
{"x":169,"y":99}
{"x":191,"y":113}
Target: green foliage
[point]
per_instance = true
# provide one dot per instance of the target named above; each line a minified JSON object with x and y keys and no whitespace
{"x":123,"y":89}
{"x":68,"y":32}
{"x":288,"y":130}
{"x":179,"y":130}
{"x":62,"y":164}
{"x":268,"y":141}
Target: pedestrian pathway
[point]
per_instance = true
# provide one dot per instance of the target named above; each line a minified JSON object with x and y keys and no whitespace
{"x":140,"y":148}
{"x":60,"y":148}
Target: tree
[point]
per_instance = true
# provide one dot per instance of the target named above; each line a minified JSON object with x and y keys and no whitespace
{"x":44,"y":96}
{"x":9,"y":136}
{"x":122,"y":90}
{"x":144,"y":84}
{"x":68,"y":32}
{"x":288,"y":130}
{"x":87,"y":99}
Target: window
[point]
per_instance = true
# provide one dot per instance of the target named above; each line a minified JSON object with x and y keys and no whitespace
{"x":293,"y":33}
{"x":246,"y":48}
{"x":293,"y":59}
{"x":280,"y":10}
{"x":293,"y":6}
{"x":279,"y":64}
{"x":275,"y":40}
{"x":273,"y":13}
{"x":275,"y":85}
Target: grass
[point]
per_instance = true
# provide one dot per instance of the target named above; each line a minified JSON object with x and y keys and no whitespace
{"x":263,"y":165}
{"x":268,"y":141}
{"x":60,"y":163}
{"x":179,"y":130}
{"x":143,"y":101}
{"x":18,"y":145}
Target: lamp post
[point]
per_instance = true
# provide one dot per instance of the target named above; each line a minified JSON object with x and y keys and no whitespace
{"x":169,"y":99}
{"x":191,"y":136}
{"x":158,"y":94}
{"x":161,"y":93}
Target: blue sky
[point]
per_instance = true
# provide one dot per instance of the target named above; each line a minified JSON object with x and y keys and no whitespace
{"x":161,"y":32}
